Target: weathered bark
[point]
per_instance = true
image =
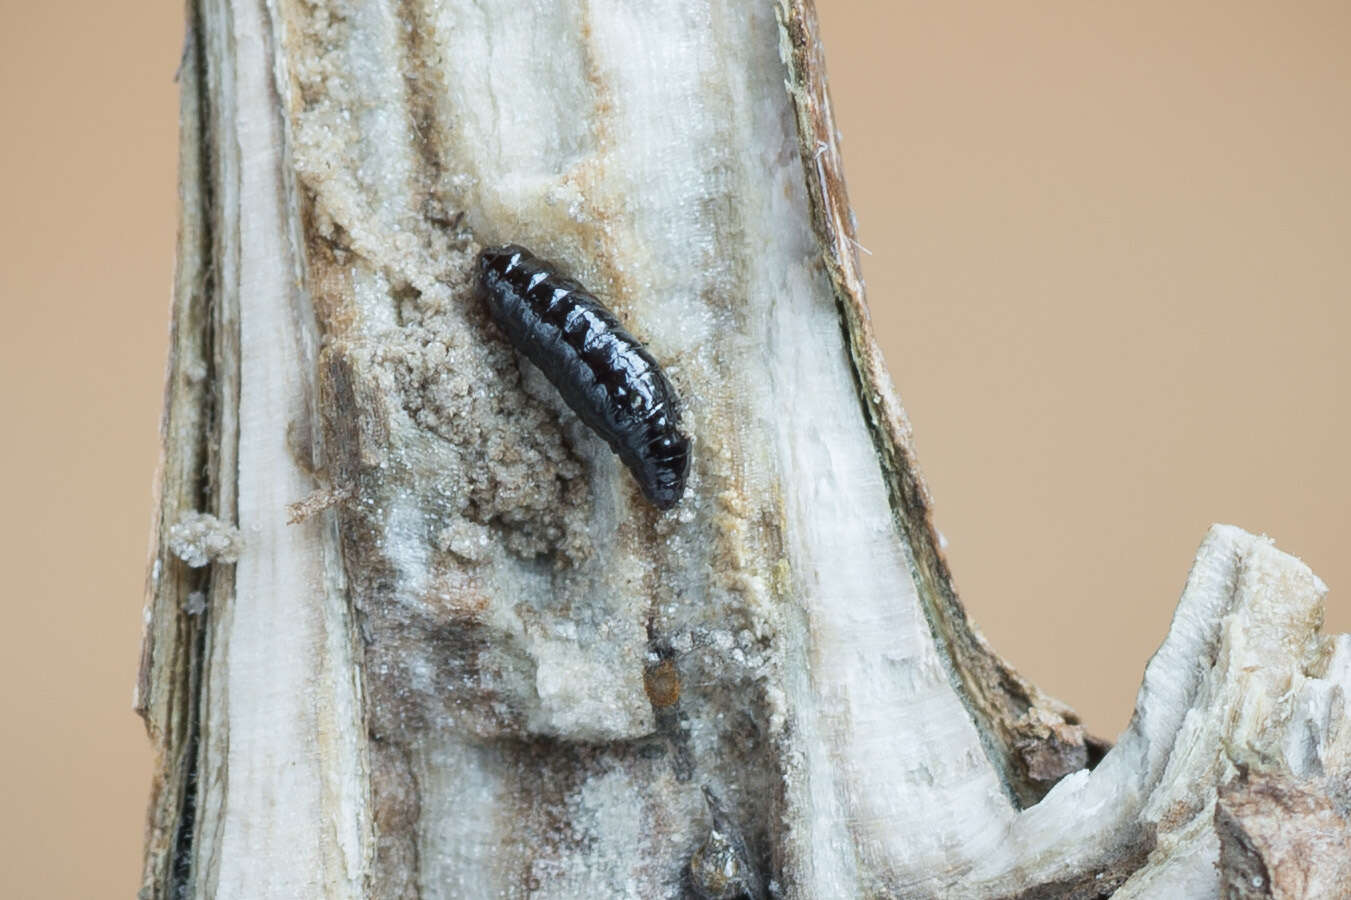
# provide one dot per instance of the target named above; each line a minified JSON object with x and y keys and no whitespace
{"x":457,"y":655}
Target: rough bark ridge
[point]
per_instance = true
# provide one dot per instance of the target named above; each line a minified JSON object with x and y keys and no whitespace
{"x":457,"y":655}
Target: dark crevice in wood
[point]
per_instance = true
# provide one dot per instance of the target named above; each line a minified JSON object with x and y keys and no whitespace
{"x":179,"y":877}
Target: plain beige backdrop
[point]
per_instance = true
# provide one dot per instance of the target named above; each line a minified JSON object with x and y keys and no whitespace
{"x":1109,"y":262}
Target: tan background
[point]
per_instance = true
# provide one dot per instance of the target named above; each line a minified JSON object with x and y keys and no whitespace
{"x":1109,"y":264}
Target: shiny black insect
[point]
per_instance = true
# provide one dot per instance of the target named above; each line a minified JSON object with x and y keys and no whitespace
{"x":603,"y":372}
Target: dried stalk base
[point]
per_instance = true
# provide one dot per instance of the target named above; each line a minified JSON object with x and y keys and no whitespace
{"x":458,"y":656}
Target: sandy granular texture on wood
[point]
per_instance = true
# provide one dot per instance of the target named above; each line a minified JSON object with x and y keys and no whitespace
{"x":509,"y":467}
{"x":391,"y":227}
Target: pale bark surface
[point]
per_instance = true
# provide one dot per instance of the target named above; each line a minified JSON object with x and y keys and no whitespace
{"x":450,"y":652}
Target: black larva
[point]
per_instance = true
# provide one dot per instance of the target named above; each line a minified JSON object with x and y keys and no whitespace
{"x":604,"y":374}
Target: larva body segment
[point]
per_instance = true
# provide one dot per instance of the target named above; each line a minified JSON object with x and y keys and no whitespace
{"x":603,"y":373}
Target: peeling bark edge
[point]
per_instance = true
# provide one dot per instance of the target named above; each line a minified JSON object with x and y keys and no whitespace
{"x":168,"y":686}
{"x":1032,"y":739}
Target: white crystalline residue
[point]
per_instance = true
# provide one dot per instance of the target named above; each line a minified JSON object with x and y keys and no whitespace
{"x":467,"y":540}
{"x":585,"y":694}
{"x":200,"y":538}
{"x":608,"y":814}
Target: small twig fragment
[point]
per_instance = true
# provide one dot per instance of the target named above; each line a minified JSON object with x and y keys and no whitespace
{"x":316,"y":503}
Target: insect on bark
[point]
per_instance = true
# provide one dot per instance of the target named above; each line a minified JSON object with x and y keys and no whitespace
{"x":604,"y":374}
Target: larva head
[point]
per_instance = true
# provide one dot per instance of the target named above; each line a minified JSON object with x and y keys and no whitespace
{"x":495,"y":263}
{"x":664,"y":468}
{"x":500,"y":257}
